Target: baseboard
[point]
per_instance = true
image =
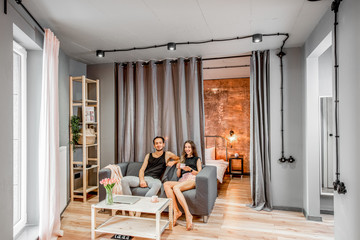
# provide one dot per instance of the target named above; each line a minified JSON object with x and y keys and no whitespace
{"x":329,"y":212}
{"x":297,"y":209}
{"x":311,"y":218}
{"x":292,"y":209}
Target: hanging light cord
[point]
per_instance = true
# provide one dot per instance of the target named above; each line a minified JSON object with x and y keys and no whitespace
{"x":281,"y":54}
{"x":338,"y":185}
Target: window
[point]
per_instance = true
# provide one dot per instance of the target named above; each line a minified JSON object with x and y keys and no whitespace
{"x":19,"y":137}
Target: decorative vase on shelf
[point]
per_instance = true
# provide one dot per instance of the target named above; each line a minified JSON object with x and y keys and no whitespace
{"x":109,"y":200}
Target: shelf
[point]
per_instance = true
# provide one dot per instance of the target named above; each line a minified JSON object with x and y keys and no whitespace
{"x":132,"y":226}
{"x":87,"y":135}
{"x":89,"y":122}
{"x":88,"y":145}
{"x":88,"y":189}
{"x":80,"y":168}
{"x":79,"y":79}
{"x":86,"y":101}
{"x":88,"y":96}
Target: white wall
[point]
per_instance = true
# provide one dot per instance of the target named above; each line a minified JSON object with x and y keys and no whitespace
{"x":286,"y":177}
{"x":34,"y":62}
{"x":346,"y":207}
{"x":325,"y":73}
{"x":105,"y":74}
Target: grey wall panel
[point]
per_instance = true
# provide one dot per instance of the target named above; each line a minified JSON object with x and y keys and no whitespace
{"x":34,"y":64}
{"x":346,"y":207}
{"x":105,"y":74}
{"x":6,"y":136}
{"x":287,"y":177}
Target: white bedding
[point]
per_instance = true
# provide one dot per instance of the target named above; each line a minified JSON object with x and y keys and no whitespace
{"x":221,"y":166}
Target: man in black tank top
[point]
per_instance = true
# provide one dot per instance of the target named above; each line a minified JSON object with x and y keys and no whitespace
{"x":153,"y":167}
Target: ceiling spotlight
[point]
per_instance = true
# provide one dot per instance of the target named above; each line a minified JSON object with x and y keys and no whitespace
{"x":100,"y":53}
{"x":256,"y":38}
{"x":171,"y":46}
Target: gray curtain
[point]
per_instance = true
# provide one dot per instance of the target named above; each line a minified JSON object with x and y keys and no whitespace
{"x":159,"y":99}
{"x":260,"y":161}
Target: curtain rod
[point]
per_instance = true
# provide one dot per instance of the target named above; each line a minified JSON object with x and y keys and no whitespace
{"x":235,"y":66}
{"x":218,"y":58}
{"x":156,"y":62}
{"x":27,"y":11}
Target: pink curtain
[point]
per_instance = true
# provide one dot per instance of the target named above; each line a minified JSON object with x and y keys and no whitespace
{"x":49,"y":219}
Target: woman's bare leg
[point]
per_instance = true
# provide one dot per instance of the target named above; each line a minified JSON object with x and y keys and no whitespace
{"x":168,"y":187}
{"x":178,"y":189}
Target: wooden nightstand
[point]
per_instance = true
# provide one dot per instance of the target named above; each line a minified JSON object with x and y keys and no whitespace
{"x":236,"y":172}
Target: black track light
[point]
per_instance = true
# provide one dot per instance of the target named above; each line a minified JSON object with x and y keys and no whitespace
{"x":171,"y":46}
{"x":256,"y":38}
{"x":100,"y":53}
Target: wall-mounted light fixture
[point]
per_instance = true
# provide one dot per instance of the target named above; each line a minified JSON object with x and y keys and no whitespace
{"x":100,"y":53}
{"x":172,"y":45}
{"x":256,"y":38}
{"x":232,"y":137}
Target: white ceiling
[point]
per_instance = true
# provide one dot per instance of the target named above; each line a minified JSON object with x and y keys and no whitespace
{"x":83,"y":26}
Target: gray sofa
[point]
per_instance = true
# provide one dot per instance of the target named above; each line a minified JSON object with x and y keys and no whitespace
{"x":200,"y":200}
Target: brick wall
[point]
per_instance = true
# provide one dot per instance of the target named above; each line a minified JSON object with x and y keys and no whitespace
{"x":227,"y":107}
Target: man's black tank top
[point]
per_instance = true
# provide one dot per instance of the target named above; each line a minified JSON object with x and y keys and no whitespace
{"x":156,"y":166}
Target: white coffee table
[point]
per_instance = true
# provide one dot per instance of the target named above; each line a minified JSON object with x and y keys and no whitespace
{"x":134,"y":226}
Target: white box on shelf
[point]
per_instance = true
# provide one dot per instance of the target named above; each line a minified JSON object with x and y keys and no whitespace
{"x":90,"y":114}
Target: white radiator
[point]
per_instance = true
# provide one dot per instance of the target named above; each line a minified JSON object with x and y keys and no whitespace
{"x":63,"y":177}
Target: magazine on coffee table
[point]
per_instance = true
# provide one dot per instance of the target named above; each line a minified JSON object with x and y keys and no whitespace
{"x":126,"y":199}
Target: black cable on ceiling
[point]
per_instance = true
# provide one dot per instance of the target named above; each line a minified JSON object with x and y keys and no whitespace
{"x":5,"y":6}
{"x":101,"y":53}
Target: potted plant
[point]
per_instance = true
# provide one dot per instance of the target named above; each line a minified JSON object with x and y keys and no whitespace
{"x":75,"y":129}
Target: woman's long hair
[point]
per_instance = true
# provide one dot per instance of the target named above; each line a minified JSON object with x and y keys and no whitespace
{"x":193,"y":148}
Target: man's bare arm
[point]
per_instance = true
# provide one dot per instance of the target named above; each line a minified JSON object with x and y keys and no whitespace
{"x":142,"y":171}
{"x":170,"y":156}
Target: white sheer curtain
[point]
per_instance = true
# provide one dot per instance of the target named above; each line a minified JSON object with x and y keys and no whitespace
{"x":49,"y":219}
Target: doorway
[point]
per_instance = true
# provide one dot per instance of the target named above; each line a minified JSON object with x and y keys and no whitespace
{"x":227,"y":115}
{"x":318,"y":130}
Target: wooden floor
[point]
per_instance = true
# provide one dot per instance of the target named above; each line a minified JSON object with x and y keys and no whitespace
{"x":230,"y":219}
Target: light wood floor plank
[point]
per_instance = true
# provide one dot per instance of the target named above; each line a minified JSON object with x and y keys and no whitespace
{"x":230,"y":219}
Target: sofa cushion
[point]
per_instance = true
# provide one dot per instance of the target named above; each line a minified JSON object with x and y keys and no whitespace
{"x":133,"y":169}
{"x":169,"y":174}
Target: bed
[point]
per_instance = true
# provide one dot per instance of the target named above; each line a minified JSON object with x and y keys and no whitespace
{"x":216,"y":155}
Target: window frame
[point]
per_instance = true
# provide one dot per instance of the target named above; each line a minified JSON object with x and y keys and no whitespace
{"x":18,"y":49}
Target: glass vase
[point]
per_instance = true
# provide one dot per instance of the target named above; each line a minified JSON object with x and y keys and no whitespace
{"x":109,"y":197}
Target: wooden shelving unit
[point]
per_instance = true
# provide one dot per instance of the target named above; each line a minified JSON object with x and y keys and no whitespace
{"x":86,"y":164}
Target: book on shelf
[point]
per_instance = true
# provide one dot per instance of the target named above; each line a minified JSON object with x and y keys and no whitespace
{"x":90,"y":114}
